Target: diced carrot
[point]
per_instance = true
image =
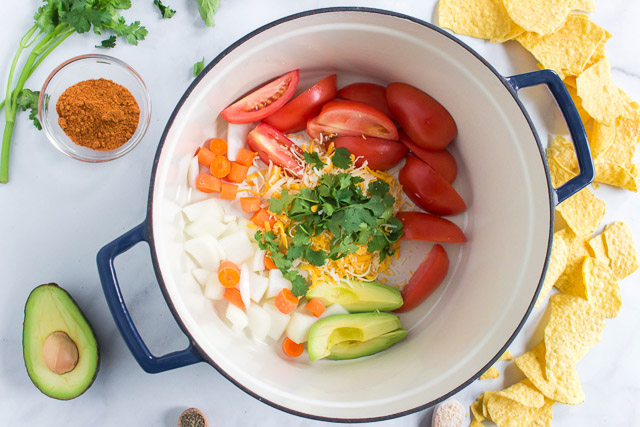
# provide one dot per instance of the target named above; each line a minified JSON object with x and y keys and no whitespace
{"x":228,"y":191}
{"x":292,"y":348}
{"x":286,"y":301}
{"x":205,"y":156}
{"x":233,"y":296}
{"x":259,"y":218}
{"x":268,"y":262}
{"x":245,"y":157}
{"x":218,"y":146}
{"x":316,"y":307}
{"x":237,"y":173}
{"x":220,"y":166}
{"x":250,"y":204}
{"x":208,"y":183}
{"x":228,"y":274}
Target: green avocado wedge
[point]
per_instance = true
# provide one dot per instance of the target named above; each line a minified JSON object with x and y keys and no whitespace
{"x":354,"y":349}
{"x":361,"y":327}
{"x":356,"y":296}
{"x":59,"y":347}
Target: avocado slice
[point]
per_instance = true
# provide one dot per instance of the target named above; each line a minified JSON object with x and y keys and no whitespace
{"x":354,"y":349}
{"x":357,"y":296}
{"x":59,"y":347}
{"x":332,"y":330}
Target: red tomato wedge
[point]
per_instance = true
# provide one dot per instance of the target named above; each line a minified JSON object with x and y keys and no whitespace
{"x":429,"y":228}
{"x":359,"y":118}
{"x":441,"y":161}
{"x":426,"y":279}
{"x":263,"y":101}
{"x":273,"y":146}
{"x":381,"y":154}
{"x":314,"y":129}
{"x":424,"y":119}
{"x":367,"y":93}
{"x":294,"y":115}
{"x":428,"y":189}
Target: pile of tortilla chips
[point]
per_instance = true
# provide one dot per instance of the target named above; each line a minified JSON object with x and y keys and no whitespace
{"x":585,"y":267}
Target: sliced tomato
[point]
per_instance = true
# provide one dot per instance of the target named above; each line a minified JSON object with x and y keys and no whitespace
{"x":363,"y":119}
{"x":441,"y":161}
{"x":428,"y":189}
{"x":367,"y":93}
{"x":426,"y":279}
{"x":429,"y":228}
{"x":381,"y":154}
{"x":424,"y":119}
{"x":294,"y":115}
{"x":314,"y":129}
{"x":263,"y":101}
{"x":273,"y":146}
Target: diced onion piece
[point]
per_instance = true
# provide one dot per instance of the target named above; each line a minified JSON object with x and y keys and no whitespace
{"x":333,"y":309}
{"x":205,"y":225}
{"x":222,"y":254}
{"x":237,"y":138}
{"x":259,"y":322}
{"x":259,"y":285}
{"x":201,"y":275}
{"x":276,"y":283}
{"x":258,"y":260}
{"x":279,"y":320}
{"x":237,"y":317}
{"x":214,"y":290}
{"x":230,"y":229}
{"x":203,"y":251}
{"x":298,"y":327}
{"x":228,"y":218}
{"x":244,"y":285}
{"x":237,"y":246}
{"x":193,"y":172}
{"x":209,"y":207}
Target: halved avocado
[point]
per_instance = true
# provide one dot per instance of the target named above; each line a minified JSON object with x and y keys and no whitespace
{"x":354,"y":349}
{"x":332,"y":330}
{"x":357,"y":296}
{"x":59,"y":347}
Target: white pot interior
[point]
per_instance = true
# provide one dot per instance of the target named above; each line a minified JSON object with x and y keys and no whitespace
{"x":493,"y":278}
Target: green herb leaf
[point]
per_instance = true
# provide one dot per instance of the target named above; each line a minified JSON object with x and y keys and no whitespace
{"x":207,"y":9}
{"x":28,"y":100}
{"x":299,"y":285}
{"x":198,"y":67}
{"x":378,"y":188}
{"x":165,"y":11}
{"x":341,"y":158}
{"x":281,"y":205}
{"x":107,"y":43}
{"x":314,"y":160}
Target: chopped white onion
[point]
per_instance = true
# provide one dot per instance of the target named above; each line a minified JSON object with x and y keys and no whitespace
{"x":210,"y":207}
{"x":279,"y":320}
{"x":259,"y":322}
{"x":237,"y":246}
{"x":228,"y":218}
{"x":244,"y":285}
{"x":201,"y":275}
{"x":332,"y":310}
{"x":214,"y":290}
{"x":259,"y":285}
{"x":258,"y":260}
{"x":203,"y":251}
{"x":193,"y":172}
{"x":298,"y":327}
{"x":237,"y":317}
{"x":205,"y":225}
{"x":276,"y":283}
{"x":237,"y":138}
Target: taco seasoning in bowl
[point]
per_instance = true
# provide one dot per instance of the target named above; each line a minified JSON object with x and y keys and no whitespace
{"x":94,"y":108}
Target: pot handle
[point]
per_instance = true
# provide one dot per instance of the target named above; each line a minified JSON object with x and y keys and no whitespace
{"x":115,"y":301}
{"x":572,"y":119}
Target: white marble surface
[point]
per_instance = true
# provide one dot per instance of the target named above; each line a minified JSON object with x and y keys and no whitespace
{"x":56,"y":213}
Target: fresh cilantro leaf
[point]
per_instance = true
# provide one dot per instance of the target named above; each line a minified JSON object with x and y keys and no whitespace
{"x":28,"y":100}
{"x":377,"y":242}
{"x":198,"y":67}
{"x":165,"y":11}
{"x":207,"y":9}
{"x":378,"y":188}
{"x":314,"y":160}
{"x":301,"y":238}
{"x":281,"y":205}
{"x":317,"y":258}
{"x":341,"y":158}
{"x":299,"y":285}
{"x":107,"y":43}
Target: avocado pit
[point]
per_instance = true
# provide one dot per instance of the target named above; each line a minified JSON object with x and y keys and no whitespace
{"x":60,"y":353}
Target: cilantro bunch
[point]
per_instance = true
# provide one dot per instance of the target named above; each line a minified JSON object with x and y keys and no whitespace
{"x":54,"y":22}
{"x":339,"y":206}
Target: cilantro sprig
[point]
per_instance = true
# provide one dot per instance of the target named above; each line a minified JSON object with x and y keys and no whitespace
{"x":337,"y":205}
{"x":54,"y":22}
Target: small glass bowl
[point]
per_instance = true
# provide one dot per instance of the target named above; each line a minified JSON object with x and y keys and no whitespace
{"x":83,"y":68}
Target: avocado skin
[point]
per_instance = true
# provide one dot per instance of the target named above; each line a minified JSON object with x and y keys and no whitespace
{"x":355,"y":349}
{"x":357,"y":296}
{"x":28,"y":343}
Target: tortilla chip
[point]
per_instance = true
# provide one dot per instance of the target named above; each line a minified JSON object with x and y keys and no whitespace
{"x":597,"y":248}
{"x":506,"y":356}
{"x":577,"y":251}
{"x":524,"y":393}
{"x":583,"y":212}
{"x":545,"y":415}
{"x":574,"y":284}
{"x":544,"y":16}
{"x":625,"y":138}
{"x":621,"y":249}
{"x":485,"y":19}
{"x":476,"y":409}
{"x":602,"y":287}
{"x":567,"y":50}
{"x":600,"y":138}
{"x":618,"y":176}
{"x":558,"y":172}
{"x":573,"y":92}
{"x":557,"y":264}
{"x":490,"y":373}
{"x":601,"y":98}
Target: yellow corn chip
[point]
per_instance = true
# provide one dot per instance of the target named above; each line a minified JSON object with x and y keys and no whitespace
{"x":600,"y":138}
{"x":544,"y":16}
{"x":545,"y":416}
{"x":577,"y":251}
{"x":476,"y":409}
{"x":508,"y":412}
{"x":567,"y":50}
{"x":490,"y":373}
{"x":583,"y":212}
{"x":601,"y":98}
{"x":558,"y":172}
{"x":557,"y":264}
{"x":621,"y":249}
{"x":625,"y":140}
{"x":475,"y":423}
{"x":562,"y":149}
{"x":523,"y":393}
{"x":617,"y":176}
{"x":485,"y":19}
{"x":573,"y":92}
{"x":602,"y":287}
{"x":506,"y":356}
{"x":597,"y":248}
{"x":574,"y":283}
